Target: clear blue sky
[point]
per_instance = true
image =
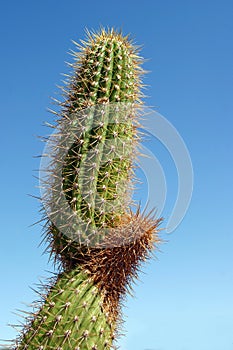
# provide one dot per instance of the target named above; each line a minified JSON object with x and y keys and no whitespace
{"x":185,"y":298}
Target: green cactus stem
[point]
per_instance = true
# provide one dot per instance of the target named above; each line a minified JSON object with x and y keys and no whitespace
{"x":71,"y":317}
{"x":82,"y":307}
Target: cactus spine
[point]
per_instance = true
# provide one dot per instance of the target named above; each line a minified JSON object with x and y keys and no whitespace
{"x":81,"y":309}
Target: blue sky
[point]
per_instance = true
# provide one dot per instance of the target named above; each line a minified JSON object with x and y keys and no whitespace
{"x":184,"y":300}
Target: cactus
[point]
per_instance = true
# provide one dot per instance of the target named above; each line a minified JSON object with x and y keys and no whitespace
{"x":81,"y":308}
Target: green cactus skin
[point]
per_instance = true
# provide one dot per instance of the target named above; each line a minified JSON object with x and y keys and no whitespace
{"x":81,"y":310}
{"x":70,"y":318}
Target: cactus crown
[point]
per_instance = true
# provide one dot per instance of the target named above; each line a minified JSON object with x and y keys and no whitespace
{"x":107,"y":69}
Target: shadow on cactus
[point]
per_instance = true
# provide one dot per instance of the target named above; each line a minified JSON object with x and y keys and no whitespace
{"x":91,"y":230}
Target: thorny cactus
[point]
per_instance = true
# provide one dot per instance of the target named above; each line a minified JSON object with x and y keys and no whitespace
{"x":98,"y":241}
